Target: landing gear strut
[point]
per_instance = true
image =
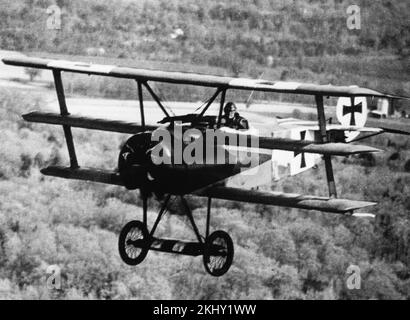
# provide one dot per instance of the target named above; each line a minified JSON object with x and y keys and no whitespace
{"x":216,"y":248}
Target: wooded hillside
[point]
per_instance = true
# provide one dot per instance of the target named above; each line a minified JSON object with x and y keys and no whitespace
{"x":280,"y":253}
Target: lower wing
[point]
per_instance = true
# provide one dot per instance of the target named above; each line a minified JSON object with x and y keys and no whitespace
{"x":341,"y":206}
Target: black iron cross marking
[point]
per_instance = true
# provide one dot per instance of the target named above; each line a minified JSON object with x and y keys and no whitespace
{"x":303,"y":161}
{"x":352,"y":109}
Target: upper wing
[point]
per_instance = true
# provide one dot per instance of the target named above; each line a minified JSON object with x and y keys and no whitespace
{"x":194,"y":79}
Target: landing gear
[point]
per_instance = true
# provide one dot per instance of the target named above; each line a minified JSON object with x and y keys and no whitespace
{"x":133,"y":243}
{"x":216,"y":248}
{"x":218,"y":253}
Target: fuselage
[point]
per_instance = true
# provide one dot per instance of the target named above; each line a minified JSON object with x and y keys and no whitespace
{"x":184,"y":158}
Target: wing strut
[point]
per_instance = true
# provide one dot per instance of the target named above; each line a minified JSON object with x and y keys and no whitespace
{"x":141,"y":99}
{"x":221,"y":106}
{"x":208,"y":217}
{"x":323,"y":137}
{"x":158,"y":101}
{"x":64,"y":112}
{"x":209,"y":102}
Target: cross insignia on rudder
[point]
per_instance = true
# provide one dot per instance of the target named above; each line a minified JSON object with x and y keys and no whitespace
{"x":303,"y":160}
{"x":352,"y":109}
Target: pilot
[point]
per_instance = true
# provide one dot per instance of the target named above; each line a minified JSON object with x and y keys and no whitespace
{"x":232,"y":119}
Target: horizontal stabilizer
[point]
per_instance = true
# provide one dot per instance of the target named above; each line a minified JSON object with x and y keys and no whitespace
{"x":285,"y":199}
{"x":87,"y":174}
{"x":86,"y":122}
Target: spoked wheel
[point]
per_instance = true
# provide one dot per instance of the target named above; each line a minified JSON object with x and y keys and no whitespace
{"x":133,"y":243}
{"x":218,"y":253}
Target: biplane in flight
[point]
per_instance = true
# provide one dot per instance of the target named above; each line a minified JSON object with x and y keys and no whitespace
{"x":292,"y":147}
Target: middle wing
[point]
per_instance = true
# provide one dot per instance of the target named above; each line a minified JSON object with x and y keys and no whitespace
{"x":77,"y":121}
{"x":305,"y":146}
{"x":338,"y":149}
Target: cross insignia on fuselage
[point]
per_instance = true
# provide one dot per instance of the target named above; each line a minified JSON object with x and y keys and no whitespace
{"x":352,"y":109}
{"x":303,"y":160}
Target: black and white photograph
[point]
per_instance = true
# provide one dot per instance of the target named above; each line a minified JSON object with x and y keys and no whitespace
{"x":208,"y":153}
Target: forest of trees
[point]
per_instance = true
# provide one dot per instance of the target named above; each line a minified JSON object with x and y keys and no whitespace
{"x":280,"y":253}
{"x":282,"y":39}
{"x":215,"y":31}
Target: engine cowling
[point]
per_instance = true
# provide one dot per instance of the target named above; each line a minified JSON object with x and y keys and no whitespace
{"x":134,"y":157}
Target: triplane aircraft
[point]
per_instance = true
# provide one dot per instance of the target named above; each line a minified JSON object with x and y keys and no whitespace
{"x":293,"y":147}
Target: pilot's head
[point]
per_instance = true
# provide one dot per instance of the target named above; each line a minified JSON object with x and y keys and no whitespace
{"x":230,"y":110}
